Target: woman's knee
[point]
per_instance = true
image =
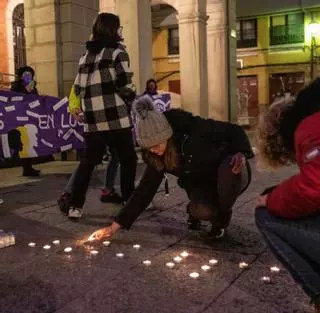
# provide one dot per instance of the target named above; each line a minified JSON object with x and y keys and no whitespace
{"x":201,"y":211}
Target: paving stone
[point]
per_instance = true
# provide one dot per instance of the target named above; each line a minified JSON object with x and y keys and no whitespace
{"x":35,"y":280}
{"x":44,"y":285}
{"x":160,"y":289}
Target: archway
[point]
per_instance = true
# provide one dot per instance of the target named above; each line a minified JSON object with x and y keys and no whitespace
{"x":11,"y":10}
{"x":165,"y":36}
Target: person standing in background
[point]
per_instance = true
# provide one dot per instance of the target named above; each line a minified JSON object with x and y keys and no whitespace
{"x":104,"y":86}
{"x":151,"y":87}
{"x":26,"y":84}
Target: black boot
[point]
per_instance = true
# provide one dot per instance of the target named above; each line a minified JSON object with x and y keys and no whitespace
{"x":64,"y":202}
{"x":30,"y":172}
{"x":193,"y":223}
{"x":216,"y":233}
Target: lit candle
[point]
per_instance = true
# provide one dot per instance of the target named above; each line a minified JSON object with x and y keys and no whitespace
{"x":147,"y":262}
{"x":94,"y":252}
{"x":275,"y":269}
{"x":170,"y":264}
{"x":56,"y":242}
{"x":205,"y":268}
{"x":266,"y":279}
{"x":194,"y":275}
{"x":184,"y":254}
{"x":213,"y":261}
{"x":137,"y":247}
{"x":120,"y":255}
{"x":243,"y":265}
{"x":178,"y":259}
{"x":106,"y":243}
{"x":32,"y":244}
{"x":46,"y":247}
{"x":68,"y":249}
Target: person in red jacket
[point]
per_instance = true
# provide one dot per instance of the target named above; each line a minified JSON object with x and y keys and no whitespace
{"x":288,"y":215}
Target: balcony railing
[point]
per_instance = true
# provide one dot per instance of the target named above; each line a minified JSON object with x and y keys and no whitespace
{"x":290,"y":34}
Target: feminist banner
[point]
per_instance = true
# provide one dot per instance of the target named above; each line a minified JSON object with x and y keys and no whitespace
{"x":41,"y":125}
{"x":36,"y":125}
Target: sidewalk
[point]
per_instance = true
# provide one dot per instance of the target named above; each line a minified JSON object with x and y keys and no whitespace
{"x":34,"y":280}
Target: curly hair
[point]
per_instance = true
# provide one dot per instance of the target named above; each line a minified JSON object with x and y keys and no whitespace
{"x":276,"y":130}
{"x":272,"y":151}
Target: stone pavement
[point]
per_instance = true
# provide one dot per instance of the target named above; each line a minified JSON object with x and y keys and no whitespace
{"x":33,"y":280}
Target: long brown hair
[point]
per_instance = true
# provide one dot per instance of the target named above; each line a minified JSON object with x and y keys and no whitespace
{"x":168,"y":161}
{"x":273,"y":153}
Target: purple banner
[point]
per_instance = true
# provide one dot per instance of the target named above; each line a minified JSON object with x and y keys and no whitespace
{"x":36,"y":125}
{"x":41,"y":125}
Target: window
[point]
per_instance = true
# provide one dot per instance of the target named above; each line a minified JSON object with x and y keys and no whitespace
{"x":287,"y":29}
{"x":19,"y":41}
{"x":247,"y":33}
{"x":173,"y":41}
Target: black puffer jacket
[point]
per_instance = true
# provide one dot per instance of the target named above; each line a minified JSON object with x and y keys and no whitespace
{"x":202,"y":145}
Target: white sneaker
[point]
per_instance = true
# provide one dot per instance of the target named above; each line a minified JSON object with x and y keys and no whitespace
{"x":74,"y":213}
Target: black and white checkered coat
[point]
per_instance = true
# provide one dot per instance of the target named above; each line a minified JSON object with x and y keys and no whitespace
{"x":101,"y":77}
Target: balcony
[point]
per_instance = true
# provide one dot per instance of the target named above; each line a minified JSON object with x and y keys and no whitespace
{"x":284,"y":35}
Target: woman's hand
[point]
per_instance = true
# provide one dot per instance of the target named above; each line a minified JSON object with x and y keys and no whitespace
{"x":105,"y":232}
{"x":238,"y":162}
{"x":262,"y":202}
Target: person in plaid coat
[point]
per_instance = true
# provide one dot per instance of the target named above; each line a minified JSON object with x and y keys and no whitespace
{"x":104,"y":86}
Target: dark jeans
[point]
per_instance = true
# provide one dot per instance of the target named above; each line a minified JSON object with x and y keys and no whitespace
{"x":119,"y":140}
{"x":214,"y":202}
{"x":110,"y":177}
{"x":296,"y":243}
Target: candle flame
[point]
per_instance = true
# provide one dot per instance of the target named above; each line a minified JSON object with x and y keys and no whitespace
{"x":194,"y":275}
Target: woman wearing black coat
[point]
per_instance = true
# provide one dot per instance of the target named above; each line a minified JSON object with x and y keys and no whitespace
{"x":27,"y":85}
{"x":208,"y":157}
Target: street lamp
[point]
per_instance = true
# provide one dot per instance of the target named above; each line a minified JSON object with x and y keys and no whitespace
{"x":314,"y":32}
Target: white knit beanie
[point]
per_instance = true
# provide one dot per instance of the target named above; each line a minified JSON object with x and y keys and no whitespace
{"x":152,"y":127}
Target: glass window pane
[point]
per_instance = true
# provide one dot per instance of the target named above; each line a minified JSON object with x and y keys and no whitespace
{"x":294,"y":19}
{"x":248,"y":29}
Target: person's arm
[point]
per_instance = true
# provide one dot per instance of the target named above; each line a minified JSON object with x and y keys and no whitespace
{"x":123,"y":81}
{"x":140,"y":198}
{"x":213,"y":130}
{"x":299,"y":196}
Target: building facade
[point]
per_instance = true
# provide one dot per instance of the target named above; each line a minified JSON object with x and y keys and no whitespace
{"x":49,"y":35}
{"x":278,"y":50}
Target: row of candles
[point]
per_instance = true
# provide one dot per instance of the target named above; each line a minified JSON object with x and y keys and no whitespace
{"x":177,"y":259}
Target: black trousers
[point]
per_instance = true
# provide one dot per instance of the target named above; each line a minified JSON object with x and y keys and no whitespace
{"x":119,"y":140}
{"x":213,"y":202}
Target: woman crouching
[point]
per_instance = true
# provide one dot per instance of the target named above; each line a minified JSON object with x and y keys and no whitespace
{"x":288,"y":215}
{"x":208,"y":157}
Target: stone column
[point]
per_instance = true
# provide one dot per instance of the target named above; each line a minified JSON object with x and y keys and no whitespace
{"x":135,"y":16}
{"x":193,"y":56}
{"x":55,"y":37}
{"x":221,"y":61}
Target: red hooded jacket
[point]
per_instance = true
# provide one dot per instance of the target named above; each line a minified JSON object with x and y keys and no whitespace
{"x":299,"y":196}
